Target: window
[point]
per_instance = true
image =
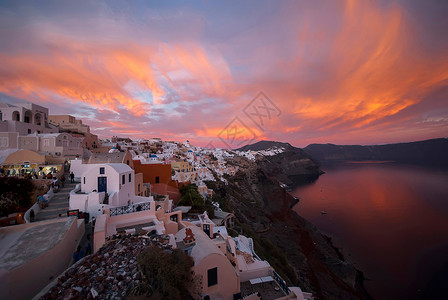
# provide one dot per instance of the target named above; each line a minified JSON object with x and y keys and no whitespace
{"x":157,"y":179}
{"x":127,"y":162}
{"x":130,"y":177}
{"x":102,"y":170}
{"x":212,"y":276}
{"x":139,"y":187}
{"x":4,"y":142}
{"x":123,"y":179}
{"x":46,"y":143}
{"x":29,"y":131}
{"x":84,"y":180}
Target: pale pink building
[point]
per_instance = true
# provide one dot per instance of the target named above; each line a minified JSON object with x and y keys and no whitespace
{"x":70,"y":124}
{"x":219,"y":278}
{"x":54,"y":144}
{"x":25,"y":118}
{"x":26,"y":126}
{"x":32,"y":255}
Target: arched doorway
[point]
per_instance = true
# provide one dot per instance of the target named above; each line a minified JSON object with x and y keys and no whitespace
{"x":16,"y":116}
{"x":28,"y":117}
{"x":38,"y":119}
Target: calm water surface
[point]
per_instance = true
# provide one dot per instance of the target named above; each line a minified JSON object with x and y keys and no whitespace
{"x":391,"y":220}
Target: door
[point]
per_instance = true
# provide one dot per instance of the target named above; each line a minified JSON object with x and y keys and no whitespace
{"x":207,"y":229}
{"x":102,"y":184}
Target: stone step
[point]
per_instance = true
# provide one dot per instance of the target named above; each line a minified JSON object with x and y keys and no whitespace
{"x":59,"y":203}
{"x":60,"y":198}
{"x":61,"y":195}
{"x":51,"y":216}
{"x":52,"y":206}
{"x":49,"y":211}
{"x":53,"y":200}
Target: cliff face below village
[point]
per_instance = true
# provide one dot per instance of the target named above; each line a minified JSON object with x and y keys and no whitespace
{"x":292,"y":166}
{"x":293,"y":246}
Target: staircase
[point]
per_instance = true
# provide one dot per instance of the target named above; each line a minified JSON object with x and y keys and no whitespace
{"x":59,"y":203}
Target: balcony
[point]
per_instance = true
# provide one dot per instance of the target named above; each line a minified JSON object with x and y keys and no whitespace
{"x":128,"y":209}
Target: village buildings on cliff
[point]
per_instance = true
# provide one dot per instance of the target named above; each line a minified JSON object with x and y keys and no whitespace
{"x":122,"y":187}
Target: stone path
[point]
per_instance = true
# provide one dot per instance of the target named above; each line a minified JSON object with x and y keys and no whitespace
{"x":59,"y":204}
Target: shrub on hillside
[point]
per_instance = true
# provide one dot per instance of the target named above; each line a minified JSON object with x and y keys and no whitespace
{"x":169,"y":273}
{"x":15,"y":194}
{"x":191,"y":197}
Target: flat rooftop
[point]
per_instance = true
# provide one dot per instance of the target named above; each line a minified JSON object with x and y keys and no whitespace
{"x":22,"y":243}
{"x":138,"y":227}
{"x":268,"y":290}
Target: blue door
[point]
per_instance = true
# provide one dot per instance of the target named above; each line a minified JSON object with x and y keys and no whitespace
{"x":207,"y":229}
{"x":102,"y":184}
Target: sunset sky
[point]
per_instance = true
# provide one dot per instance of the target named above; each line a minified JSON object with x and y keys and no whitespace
{"x":344,"y":72}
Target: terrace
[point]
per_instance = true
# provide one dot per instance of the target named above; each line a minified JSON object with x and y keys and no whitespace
{"x":266,"y":289}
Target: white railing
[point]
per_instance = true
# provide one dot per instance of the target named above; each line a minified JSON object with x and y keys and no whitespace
{"x":36,"y":208}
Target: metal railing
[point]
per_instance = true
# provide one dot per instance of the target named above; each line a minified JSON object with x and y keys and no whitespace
{"x":128,"y":209}
{"x":281,"y":283}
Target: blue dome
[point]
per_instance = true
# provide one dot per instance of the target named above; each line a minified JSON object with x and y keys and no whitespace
{"x":190,"y":151}
{"x":153,"y":155}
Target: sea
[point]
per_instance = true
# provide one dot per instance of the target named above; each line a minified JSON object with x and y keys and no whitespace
{"x":391,"y":220}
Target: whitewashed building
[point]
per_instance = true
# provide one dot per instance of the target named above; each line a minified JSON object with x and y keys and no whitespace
{"x":104,"y":186}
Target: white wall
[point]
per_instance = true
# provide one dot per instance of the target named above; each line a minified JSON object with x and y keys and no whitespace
{"x":29,"y":278}
{"x":91,"y":202}
{"x":76,"y":167}
{"x":114,"y":175}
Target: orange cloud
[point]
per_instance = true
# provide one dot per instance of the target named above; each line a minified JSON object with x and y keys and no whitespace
{"x":238,"y":132}
{"x":344,"y":73}
{"x":372,"y":70}
{"x":192,"y":65}
{"x":74,"y":71}
{"x":110,"y":76}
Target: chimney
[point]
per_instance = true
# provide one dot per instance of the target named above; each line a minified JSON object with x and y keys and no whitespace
{"x":189,"y":237}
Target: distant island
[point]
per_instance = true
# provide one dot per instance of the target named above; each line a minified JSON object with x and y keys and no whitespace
{"x":428,"y":152}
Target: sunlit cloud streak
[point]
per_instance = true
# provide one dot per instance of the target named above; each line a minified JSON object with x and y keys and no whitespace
{"x":344,"y":72}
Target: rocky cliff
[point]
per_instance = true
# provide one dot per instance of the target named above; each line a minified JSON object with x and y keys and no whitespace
{"x":293,"y":246}
{"x":291,"y":166}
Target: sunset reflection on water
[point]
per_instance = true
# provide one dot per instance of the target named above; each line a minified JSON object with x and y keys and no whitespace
{"x":391,"y":220}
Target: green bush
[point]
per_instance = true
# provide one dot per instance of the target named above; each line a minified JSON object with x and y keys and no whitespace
{"x":223,"y":204}
{"x":169,"y":273}
{"x":191,"y":197}
{"x":210,"y":209}
{"x":15,"y":194}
